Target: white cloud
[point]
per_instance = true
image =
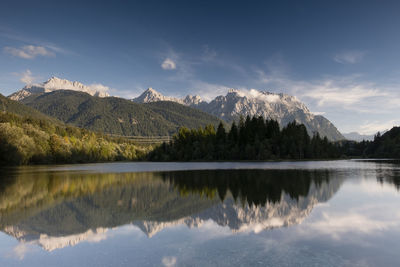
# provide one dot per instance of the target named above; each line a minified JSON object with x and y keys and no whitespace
{"x":169,"y":261}
{"x":26,"y":77}
{"x":349,"y":57}
{"x":99,"y":87}
{"x":168,"y":64}
{"x":29,"y":51}
{"x":254,"y":93}
{"x":330,"y":92}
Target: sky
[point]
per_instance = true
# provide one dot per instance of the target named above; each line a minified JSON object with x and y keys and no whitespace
{"x":341,"y":58}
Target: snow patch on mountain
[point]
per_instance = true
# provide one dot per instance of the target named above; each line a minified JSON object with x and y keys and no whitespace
{"x":151,"y":95}
{"x":54,"y":84}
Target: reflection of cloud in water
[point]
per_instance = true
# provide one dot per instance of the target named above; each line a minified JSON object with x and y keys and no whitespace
{"x":337,"y":225}
{"x":372,"y":210}
{"x":21,"y":249}
{"x":168,"y":261}
{"x":376,"y":189}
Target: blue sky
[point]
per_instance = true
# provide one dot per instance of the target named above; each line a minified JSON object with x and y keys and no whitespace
{"x":341,"y":58}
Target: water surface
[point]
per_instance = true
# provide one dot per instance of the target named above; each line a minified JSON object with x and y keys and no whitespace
{"x":322,"y":213}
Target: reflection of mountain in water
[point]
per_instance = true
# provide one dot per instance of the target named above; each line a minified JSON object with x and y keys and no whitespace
{"x":251,"y":200}
{"x":55,"y":209}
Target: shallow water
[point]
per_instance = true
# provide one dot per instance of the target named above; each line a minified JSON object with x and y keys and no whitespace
{"x":321,"y":213}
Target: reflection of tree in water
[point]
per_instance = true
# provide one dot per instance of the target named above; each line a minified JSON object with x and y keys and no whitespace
{"x":256,"y":187}
{"x":391,"y":176}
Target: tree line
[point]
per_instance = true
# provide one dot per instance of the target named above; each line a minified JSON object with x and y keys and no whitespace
{"x":252,"y":139}
{"x":385,"y":145}
{"x":32,"y":140}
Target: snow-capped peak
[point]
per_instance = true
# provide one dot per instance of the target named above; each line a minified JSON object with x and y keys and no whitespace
{"x":55,"y":83}
{"x":151,"y":95}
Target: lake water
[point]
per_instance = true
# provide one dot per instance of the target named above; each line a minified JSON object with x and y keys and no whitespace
{"x":322,"y":213}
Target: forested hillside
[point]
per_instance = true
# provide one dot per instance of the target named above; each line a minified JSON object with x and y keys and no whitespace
{"x":11,"y":106}
{"x":26,"y":139}
{"x":386,"y":145}
{"x":118,"y":116}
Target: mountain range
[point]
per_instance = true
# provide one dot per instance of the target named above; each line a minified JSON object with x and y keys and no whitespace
{"x":152,"y":113}
{"x":281,"y":107}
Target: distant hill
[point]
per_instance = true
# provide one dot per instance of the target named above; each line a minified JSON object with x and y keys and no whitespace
{"x":354,"y":136}
{"x":116,"y":115}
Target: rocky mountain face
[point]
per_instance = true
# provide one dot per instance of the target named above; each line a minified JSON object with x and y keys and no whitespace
{"x":281,"y":107}
{"x":54,"y":84}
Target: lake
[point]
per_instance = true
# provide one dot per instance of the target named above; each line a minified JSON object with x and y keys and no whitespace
{"x":311,"y":213}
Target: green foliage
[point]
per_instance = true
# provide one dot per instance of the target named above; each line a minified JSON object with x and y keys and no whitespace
{"x":25,"y":140}
{"x":254,"y":139}
{"x":118,"y":116}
